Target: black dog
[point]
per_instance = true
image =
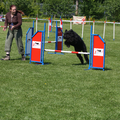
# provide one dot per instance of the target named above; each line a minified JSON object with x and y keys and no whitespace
{"x":72,"y":38}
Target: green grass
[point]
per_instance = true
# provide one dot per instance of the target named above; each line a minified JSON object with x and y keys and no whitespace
{"x":61,"y":90}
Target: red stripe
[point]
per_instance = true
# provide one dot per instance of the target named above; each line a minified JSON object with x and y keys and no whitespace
{"x":61,"y":21}
{"x":49,"y":41}
{"x":57,"y":50}
{"x":74,"y":52}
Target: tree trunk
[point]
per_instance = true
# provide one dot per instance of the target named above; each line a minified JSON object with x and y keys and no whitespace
{"x":76,"y":13}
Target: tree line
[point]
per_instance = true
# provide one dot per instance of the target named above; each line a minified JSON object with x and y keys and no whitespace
{"x":96,"y":9}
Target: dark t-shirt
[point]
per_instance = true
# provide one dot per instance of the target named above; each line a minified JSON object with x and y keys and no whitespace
{"x":16,"y":20}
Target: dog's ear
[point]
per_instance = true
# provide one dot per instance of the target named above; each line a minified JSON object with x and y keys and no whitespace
{"x":66,"y":30}
{"x":71,"y":30}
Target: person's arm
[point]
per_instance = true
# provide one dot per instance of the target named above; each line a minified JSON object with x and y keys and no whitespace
{"x":19,"y":21}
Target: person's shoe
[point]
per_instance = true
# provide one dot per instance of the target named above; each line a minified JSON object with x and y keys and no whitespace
{"x":23,"y":58}
{"x":6,"y":58}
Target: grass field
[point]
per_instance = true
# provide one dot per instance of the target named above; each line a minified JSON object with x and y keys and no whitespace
{"x":61,"y":90}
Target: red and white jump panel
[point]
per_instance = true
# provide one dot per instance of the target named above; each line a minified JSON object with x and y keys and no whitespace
{"x":50,"y":41}
{"x":61,"y":51}
{"x":50,"y":24}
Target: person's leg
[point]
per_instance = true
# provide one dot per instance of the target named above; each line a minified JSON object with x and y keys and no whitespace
{"x":18,"y":38}
{"x":8,"y":44}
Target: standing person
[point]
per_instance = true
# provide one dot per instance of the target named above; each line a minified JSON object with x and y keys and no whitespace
{"x":14,"y":19}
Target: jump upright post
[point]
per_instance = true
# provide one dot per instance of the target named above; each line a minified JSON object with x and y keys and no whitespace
{"x":37,"y":46}
{"x":29,"y":35}
{"x":50,"y":25}
{"x":97,"y":52}
{"x":58,"y":39}
{"x":96,"y":55}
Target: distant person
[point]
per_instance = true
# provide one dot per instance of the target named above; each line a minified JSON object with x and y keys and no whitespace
{"x":14,"y":19}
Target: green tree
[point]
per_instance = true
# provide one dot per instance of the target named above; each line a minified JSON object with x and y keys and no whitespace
{"x":3,"y":6}
{"x":58,"y":7}
{"x":29,"y":7}
{"x":23,"y":5}
{"x":35,"y":9}
{"x":93,"y":8}
{"x":112,"y":9}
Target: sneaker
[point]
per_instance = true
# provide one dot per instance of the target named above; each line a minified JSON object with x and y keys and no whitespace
{"x":6,"y":58}
{"x":23,"y":58}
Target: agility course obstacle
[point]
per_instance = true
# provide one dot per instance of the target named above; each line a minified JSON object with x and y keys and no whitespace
{"x":29,"y":35}
{"x":96,"y":55}
{"x":58,"y":39}
{"x":62,"y":51}
{"x":50,"y":25}
{"x":50,"y":41}
{"x":97,"y":52}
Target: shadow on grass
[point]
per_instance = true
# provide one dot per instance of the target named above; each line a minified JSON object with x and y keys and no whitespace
{"x":80,"y":64}
{"x":46,"y":63}
{"x":108,"y":69}
{"x":15,"y":58}
{"x":99,"y":69}
{"x":11,"y":59}
{"x":27,"y":58}
{"x":92,"y":68}
{"x":18,"y":58}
